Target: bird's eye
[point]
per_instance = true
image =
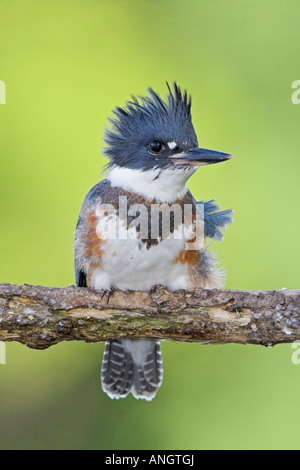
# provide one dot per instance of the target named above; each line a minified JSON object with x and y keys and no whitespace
{"x":155,"y":146}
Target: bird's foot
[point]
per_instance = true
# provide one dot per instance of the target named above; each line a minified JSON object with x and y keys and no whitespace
{"x":107,"y":293}
{"x":153,"y":289}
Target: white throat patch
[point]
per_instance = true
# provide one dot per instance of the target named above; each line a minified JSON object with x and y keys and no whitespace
{"x":165,"y":185}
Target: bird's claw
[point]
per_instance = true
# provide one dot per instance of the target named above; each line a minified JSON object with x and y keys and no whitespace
{"x":153,"y":289}
{"x":107,"y":293}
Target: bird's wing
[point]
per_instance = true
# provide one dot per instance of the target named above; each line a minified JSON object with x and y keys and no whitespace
{"x":80,"y":275}
{"x":90,"y":200}
{"x":215,"y":222}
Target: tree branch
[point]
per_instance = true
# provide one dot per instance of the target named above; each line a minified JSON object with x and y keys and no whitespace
{"x":42,"y":316}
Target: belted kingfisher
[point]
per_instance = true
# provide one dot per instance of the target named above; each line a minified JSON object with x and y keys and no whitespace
{"x":152,"y":149}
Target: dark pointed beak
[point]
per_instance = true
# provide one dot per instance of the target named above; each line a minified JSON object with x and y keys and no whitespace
{"x":199,"y":157}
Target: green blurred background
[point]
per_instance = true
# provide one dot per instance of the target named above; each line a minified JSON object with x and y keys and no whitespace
{"x":66,"y":64}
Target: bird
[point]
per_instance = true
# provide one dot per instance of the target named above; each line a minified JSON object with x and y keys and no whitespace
{"x":152,"y":151}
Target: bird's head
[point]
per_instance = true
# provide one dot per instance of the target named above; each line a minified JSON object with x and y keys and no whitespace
{"x":152,"y":137}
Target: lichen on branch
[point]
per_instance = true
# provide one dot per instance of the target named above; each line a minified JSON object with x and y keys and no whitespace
{"x":43,"y":316}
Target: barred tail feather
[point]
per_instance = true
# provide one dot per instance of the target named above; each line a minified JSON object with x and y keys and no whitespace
{"x":148,"y":370}
{"x":117,"y":370}
{"x":132,"y":366}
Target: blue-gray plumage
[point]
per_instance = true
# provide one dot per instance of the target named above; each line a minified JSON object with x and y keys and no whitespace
{"x":128,"y":138}
{"x":153,"y":150}
{"x":215,"y":221}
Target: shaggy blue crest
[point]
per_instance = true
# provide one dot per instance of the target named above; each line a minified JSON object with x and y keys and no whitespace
{"x":150,"y":118}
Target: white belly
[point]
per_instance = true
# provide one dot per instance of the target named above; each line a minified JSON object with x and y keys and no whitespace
{"x":130,"y":265}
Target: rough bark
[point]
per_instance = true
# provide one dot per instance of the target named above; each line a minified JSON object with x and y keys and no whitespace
{"x":42,"y":316}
